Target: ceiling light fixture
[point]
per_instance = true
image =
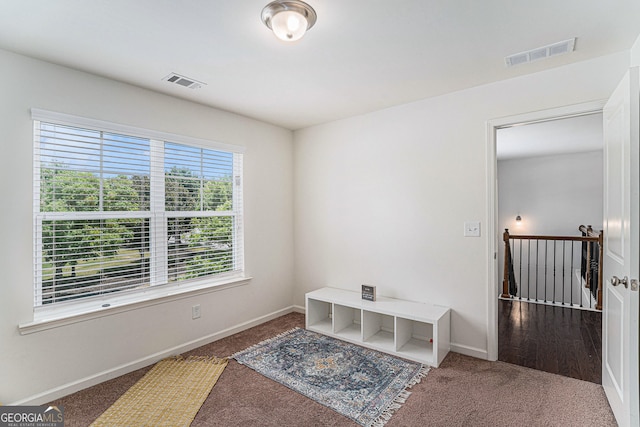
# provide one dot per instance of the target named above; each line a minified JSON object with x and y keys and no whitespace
{"x":289,"y":19}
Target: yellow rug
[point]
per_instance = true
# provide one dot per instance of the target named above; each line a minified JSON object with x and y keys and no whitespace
{"x":170,"y":394}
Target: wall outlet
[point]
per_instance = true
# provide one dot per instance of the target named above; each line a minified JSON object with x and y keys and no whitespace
{"x":195,"y":312}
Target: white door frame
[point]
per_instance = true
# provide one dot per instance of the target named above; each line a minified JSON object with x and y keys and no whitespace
{"x":493,"y":287}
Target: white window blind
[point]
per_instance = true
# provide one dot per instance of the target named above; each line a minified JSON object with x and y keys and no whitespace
{"x":200,"y":205}
{"x":116,"y":212}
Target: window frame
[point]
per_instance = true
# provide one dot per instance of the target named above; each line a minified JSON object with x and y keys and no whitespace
{"x":160,"y":288}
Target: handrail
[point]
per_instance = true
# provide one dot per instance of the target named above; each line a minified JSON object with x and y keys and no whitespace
{"x":589,"y":236}
{"x":569,"y":238}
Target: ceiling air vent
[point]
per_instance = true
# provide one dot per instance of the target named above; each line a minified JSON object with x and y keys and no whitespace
{"x":543,"y":52}
{"x":184,"y":81}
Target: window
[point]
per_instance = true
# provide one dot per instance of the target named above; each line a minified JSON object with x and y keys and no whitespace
{"x":117,"y":211}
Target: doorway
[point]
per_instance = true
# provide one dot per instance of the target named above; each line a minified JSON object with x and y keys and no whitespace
{"x":494,"y":226}
{"x":550,"y":184}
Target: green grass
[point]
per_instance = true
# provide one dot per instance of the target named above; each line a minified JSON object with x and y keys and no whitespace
{"x":93,"y":267}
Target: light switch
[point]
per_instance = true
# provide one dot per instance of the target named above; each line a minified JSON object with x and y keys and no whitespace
{"x":472,"y":229}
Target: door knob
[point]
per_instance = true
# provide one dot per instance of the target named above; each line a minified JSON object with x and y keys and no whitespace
{"x":615,"y":281}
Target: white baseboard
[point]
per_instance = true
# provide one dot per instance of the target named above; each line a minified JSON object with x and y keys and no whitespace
{"x":298,"y":309}
{"x":72,"y":387}
{"x":478,"y":353}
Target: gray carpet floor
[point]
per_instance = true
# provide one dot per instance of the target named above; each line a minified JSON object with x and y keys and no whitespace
{"x":463,"y":391}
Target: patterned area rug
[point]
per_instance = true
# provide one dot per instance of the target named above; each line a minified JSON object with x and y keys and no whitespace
{"x":364,"y":385}
{"x":170,"y":394}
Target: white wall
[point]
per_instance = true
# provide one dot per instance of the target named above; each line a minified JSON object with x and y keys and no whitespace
{"x":382,"y":198}
{"x":553,"y":195}
{"x":54,"y":359}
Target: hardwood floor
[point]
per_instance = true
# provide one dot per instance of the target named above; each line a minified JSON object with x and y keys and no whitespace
{"x":554,"y":339}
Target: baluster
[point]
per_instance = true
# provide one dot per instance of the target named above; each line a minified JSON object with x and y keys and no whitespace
{"x":536,"y":269}
{"x":563,"y":268}
{"x":520,"y":268}
{"x":554,"y":270}
{"x":573,"y":246}
{"x":546,"y":262}
{"x":529,"y":270}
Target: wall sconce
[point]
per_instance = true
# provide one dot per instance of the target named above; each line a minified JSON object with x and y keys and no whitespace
{"x":518,"y":219}
{"x":288,"y":19}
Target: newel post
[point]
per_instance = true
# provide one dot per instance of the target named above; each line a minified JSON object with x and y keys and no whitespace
{"x":507,"y":250}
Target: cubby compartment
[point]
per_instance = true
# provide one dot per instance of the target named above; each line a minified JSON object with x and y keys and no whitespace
{"x":378,"y":330}
{"x":408,"y":329}
{"x":319,"y":315}
{"x":414,"y":338}
{"x":347,"y":322}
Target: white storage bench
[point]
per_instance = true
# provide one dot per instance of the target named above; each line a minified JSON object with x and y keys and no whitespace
{"x":411,"y":330}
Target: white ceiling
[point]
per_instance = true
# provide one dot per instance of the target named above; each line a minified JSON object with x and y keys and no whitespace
{"x":555,"y":137}
{"x":361,"y":56}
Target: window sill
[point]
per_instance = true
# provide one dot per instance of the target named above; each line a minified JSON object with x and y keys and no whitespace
{"x":87,"y":311}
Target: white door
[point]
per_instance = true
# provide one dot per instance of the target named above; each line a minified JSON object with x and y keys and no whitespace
{"x":620,"y":362}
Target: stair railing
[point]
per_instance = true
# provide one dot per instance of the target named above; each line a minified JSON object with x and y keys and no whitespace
{"x":543,"y":268}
